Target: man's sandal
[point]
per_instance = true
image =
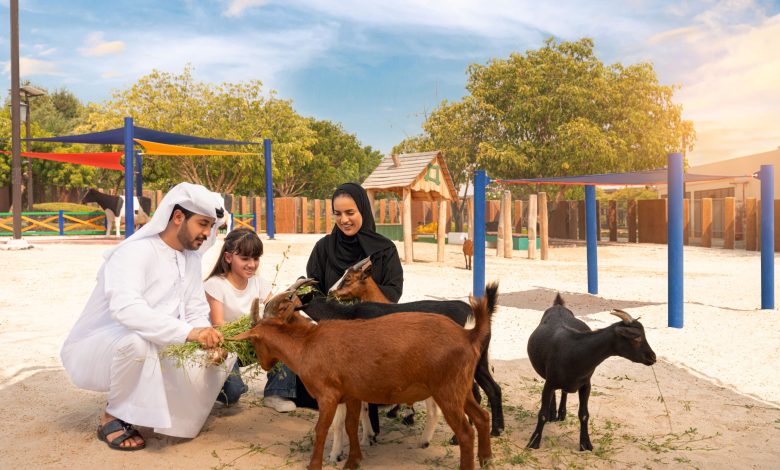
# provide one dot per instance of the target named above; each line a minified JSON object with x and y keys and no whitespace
{"x":117,"y":425}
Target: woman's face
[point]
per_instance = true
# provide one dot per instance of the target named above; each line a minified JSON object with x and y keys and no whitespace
{"x":348,"y":218}
{"x":242,"y":266}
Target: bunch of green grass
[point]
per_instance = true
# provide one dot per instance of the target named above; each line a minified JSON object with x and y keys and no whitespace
{"x":190,"y":353}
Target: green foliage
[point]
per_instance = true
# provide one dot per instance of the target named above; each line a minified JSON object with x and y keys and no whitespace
{"x":337,"y":157}
{"x":628,"y":194}
{"x":560,"y":111}
{"x":556,"y":111}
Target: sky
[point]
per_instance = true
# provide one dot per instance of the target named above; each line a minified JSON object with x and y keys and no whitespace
{"x":378,"y":66}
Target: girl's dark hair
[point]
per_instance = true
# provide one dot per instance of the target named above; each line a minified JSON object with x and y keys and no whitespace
{"x":241,"y":242}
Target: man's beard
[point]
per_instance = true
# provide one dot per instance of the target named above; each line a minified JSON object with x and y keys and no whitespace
{"x":188,"y":241}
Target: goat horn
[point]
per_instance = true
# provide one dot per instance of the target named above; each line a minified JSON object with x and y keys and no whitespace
{"x":627,"y":319}
{"x":300,"y":283}
{"x":359,"y":265}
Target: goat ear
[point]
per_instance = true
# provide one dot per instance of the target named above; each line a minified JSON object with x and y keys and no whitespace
{"x":243,"y":336}
{"x":628,"y":332}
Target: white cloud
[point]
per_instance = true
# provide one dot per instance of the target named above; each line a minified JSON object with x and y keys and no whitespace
{"x":236,"y":7}
{"x":28,"y":67}
{"x":730,"y":85}
{"x":97,"y":46}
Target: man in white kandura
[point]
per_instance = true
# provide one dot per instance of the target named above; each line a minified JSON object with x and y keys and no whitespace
{"x":149,"y":294}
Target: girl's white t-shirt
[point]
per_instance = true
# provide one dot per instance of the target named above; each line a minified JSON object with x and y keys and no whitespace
{"x":237,"y":302}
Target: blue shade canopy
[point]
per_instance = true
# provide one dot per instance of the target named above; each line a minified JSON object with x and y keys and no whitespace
{"x":637,"y":178}
{"x":117,"y":137}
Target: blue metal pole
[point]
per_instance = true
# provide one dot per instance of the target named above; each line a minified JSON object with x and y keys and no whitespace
{"x":254,"y":220}
{"x":139,"y":177}
{"x":675,"y":239}
{"x":767,"y":176}
{"x":591,"y":238}
{"x":269,"y":190}
{"x":129,"y":157}
{"x":480,"y":183}
{"x":61,"y":222}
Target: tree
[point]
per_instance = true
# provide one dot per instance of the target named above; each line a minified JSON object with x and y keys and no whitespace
{"x":560,"y":111}
{"x":235,"y":111}
{"x":338,"y":157}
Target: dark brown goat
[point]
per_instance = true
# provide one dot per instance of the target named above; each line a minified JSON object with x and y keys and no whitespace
{"x":565,"y":352}
{"x":356,"y":360}
{"x":357,"y":283}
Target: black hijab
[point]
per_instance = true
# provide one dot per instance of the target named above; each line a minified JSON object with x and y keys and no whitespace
{"x":349,"y":250}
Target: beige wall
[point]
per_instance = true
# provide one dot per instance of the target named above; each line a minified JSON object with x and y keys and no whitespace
{"x":743,"y":187}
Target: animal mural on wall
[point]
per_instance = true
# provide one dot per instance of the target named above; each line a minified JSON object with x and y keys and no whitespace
{"x":114,"y":207}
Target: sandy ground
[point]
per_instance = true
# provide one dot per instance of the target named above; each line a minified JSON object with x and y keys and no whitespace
{"x":718,"y":376}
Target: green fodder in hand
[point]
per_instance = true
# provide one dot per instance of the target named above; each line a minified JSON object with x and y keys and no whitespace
{"x":193,"y":353}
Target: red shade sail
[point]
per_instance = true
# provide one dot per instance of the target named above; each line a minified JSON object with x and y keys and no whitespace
{"x":107,"y":160}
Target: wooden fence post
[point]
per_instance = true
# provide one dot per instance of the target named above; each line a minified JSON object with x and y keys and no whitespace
{"x":394,"y":211}
{"x":256,"y":208}
{"x":631,"y":216}
{"x":532,"y":207}
{"x":317,"y":218}
{"x":612,"y":220}
{"x":500,"y":232}
{"x":543,"y":228}
{"x":328,"y":214}
{"x":305,"y":215}
{"x":706,"y":222}
{"x":407,"y":226}
{"x":508,"y":241}
{"x":517,"y":217}
{"x":382,"y":210}
{"x":729,"y":209}
{"x":441,"y":229}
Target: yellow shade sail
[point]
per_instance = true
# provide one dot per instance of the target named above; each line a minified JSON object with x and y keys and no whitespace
{"x":155,"y":148}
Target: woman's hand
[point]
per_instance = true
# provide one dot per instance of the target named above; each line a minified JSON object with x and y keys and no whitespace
{"x":208,"y":337}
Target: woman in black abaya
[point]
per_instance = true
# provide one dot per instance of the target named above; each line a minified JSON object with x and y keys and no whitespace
{"x":352,"y":239}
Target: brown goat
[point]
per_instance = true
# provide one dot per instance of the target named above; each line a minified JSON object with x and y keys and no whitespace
{"x":468,"y":252}
{"x":338,"y":362}
{"x":357,"y":283}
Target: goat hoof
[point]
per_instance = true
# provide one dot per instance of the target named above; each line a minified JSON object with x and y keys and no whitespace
{"x":372,"y":440}
{"x":454,"y":440}
{"x":352,"y":464}
{"x":408,"y":420}
{"x":393,"y":412}
{"x":586,"y":446}
{"x":424,"y":445}
{"x":534,"y":442}
{"x":496,"y":432}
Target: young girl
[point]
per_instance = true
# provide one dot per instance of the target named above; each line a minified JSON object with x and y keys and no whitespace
{"x":230,"y":289}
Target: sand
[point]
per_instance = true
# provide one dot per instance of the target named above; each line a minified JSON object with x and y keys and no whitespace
{"x":718,"y":375}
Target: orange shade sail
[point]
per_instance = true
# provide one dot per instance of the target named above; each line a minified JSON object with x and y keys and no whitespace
{"x":156,"y":148}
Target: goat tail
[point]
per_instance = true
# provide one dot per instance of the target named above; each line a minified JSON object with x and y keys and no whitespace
{"x":483,"y":309}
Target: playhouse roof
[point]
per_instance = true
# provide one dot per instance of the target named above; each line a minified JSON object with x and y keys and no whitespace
{"x":425,"y":173}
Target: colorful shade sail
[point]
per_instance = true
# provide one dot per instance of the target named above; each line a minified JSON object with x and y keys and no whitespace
{"x":156,"y":148}
{"x":637,"y":178}
{"x":117,"y":137}
{"x":107,"y":160}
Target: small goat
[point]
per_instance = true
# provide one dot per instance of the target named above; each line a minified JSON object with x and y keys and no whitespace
{"x":468,"y":252}
{"x":565,"y":352}
{"x":353,"y":361}
{"x":357,"y":283}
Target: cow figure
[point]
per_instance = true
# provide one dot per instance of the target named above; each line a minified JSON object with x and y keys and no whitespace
{"x":114,"y":207}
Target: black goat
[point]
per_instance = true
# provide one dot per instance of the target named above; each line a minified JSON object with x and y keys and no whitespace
{"x":565,"y":352}
{"x":320,"y":308}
